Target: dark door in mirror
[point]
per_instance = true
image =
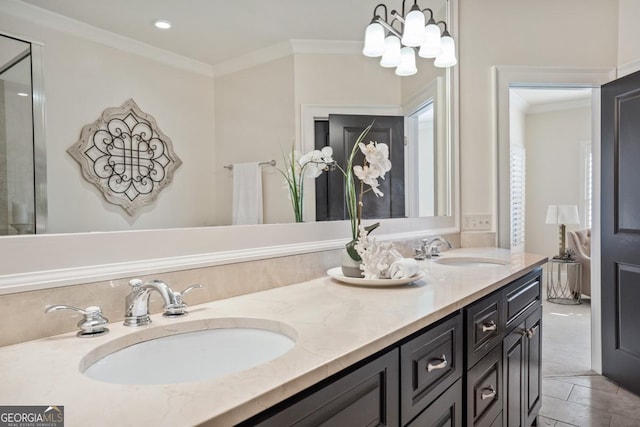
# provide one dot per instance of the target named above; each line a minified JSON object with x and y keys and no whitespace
{"x":340,"y":132}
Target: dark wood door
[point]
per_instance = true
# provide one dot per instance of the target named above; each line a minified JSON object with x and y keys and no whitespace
{"x":621,"y":231}
{"x":343,"y":131}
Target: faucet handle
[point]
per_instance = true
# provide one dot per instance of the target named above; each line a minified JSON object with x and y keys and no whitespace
{"x":179,"y":308}
{"x":135,"y":283}
{"x":419,"y":253}
{"x":93,"y":322}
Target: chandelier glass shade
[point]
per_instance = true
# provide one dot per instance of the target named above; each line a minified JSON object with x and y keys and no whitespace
{"x":397,"y":47}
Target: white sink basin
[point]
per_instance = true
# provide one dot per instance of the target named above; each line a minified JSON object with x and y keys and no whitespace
{"x":472,"y":262}
{"x":190,"y":356}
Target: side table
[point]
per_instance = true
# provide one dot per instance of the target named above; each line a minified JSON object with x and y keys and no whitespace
{"x":564,"y":281}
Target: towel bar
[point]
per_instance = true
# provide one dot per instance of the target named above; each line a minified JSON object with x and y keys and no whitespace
{"x":271,"y":162}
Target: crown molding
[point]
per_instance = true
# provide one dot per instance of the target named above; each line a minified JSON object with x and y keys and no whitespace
{"x":327,"y":47}
{"x":252,"y":59}
{"x":85,"y":31}
{"x":629,"y":68}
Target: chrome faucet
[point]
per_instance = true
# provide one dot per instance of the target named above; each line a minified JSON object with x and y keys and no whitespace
{"x":137,"y":302}
{"x":431,"y":248}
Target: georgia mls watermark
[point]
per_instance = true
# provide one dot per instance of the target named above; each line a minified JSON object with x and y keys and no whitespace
{"x":31,"y":416}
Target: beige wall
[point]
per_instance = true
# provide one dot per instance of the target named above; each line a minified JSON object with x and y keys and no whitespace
{"x":344,"y":80}
{"x":258,"y":115}
{"x":628,"y":32}
{"x":82,"y":78}
{"x":571,"y":33}
{"x":255,"y":122}
{"x":553,"y":140}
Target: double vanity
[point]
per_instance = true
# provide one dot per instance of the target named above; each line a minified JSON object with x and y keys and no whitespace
{"x":459,"y":346}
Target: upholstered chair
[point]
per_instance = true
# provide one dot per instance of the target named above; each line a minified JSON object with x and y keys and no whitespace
{"x":579,"y":242}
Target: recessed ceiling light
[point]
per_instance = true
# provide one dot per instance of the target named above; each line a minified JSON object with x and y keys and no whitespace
{"x":22,"y":94}
{"x":162,"y":24}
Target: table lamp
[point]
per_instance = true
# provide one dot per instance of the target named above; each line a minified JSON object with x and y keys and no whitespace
{"x":562,"y":215}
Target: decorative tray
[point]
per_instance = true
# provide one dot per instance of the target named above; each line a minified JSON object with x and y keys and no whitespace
{"x":336,"y":273}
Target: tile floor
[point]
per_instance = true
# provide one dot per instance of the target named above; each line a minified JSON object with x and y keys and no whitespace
{"x":572,"y":394}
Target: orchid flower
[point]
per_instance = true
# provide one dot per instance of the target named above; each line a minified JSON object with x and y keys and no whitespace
{"x":298,"y":168}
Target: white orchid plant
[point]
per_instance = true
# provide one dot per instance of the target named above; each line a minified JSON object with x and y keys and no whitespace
{"x":311,"y":165}
{"x":375,"y":165}
{"x":300,"y":167}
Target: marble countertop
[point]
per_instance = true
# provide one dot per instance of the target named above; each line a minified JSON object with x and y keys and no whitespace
{"x":334,"y":325}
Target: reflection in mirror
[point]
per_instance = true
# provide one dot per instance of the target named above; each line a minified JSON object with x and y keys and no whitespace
{"x":243,"y":109}
{"x":16,"y":139}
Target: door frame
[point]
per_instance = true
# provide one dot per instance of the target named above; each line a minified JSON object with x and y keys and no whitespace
{"x":503,"y":78}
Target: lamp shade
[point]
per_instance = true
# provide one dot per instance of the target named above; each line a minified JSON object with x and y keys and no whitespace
{"x":407,"y":65}
{"x":448,"y":56}
{"x":413,"y":34}
{"x":373,"y":40}
{"x":391,"y":55}
{"x":431,"y":47}
{"x":562,"y":214}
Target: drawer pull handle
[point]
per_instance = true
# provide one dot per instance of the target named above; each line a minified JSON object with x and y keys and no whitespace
{"x":442,"y":363}
{"x":488,"y":393}
{"x":491,"y":326}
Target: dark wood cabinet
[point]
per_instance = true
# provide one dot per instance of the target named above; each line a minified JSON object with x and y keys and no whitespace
{"x":481,"y":367}
{"x":517,"y":338}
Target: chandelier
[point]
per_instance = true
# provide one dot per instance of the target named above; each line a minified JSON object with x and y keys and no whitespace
{"x":397,"y":48}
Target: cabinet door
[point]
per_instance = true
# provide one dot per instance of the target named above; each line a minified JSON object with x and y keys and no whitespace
{"x":522,"y":371}
{"x":446,"y":411}
{"x":367,"y":396}
{"x":533,"y":367}
{"x":514,"y":355}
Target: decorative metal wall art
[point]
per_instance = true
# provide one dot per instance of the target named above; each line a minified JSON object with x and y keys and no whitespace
{"x":126,"y":156}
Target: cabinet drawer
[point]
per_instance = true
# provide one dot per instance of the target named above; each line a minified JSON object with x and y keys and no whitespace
{"x":367,"y":396}
{"x":429,"y":364}
{"x":484,"y":327}
{"x":445,"y":411}
{"x":521,"y":296}
{"x":484,"y":390}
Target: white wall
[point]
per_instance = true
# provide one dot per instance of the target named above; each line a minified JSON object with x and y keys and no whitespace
{"x":82,"y":78}
{"x":571,"y":33}
{"x":553,"y":171}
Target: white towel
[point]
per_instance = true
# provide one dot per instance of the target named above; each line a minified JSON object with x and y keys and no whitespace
{"x":247,"y":193}
{"x":403,"y":268}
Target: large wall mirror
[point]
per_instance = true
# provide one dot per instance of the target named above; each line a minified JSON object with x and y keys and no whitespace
{"x":230,"y":82}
